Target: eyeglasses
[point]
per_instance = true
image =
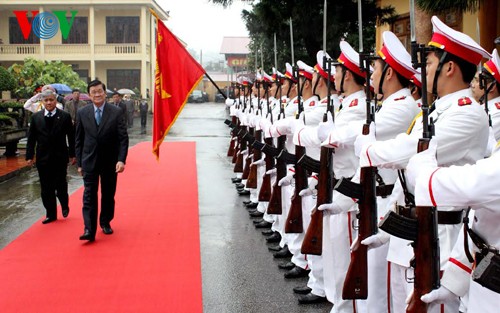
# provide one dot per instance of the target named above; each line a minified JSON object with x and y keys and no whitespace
{"x":96,"y":92}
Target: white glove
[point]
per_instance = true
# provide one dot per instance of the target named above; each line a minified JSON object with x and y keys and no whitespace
{"x":311,"y":189}
{"x":362,"y":141}
{"x":283,"y":126}
{"x":271,"y":172}
{"x":265,"y":124}
{"x":440,"y":295}
{"x":325,"y":128}
{"x":258,"y":162}
{"x":287,"y":180}
{"x":377,"y":240}
{"x":297,"y":124}
{"x":244,"y":152}
{"x":333,"y":208}
{"x":421,"y":162}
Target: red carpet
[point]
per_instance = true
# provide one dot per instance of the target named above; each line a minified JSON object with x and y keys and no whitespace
{"x":150,"y":264}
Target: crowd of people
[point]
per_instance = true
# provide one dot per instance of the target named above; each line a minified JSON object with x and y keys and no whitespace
{"x":455,"y":174}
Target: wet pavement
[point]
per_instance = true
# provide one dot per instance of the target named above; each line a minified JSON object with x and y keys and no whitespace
{"x":239,"y":274}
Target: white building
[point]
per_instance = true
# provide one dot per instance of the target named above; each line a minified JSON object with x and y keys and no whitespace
{"x":112,"y":40}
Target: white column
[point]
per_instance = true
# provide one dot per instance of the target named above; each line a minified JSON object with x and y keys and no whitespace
{"x":143,"y":40}
{"x":92,"y":42}
{"x":42,"y":41}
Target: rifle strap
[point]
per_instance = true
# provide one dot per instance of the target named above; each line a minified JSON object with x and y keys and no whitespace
{"x":476,"y":239}
{"x":409,"y":198}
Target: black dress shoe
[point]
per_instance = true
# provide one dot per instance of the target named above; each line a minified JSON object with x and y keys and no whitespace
{"x":268,"y":232}
{"x":65,"y":212}
{"x":49,"y":220}
{"x":240,"y":186}
{"x":311,"y":298}
{"x":276,"y":237}
{"x":252,"y":205}
{"x":87,"y":236}
{"x":107,"y":230}
{"x":302,"y":290}
{"x":258,"y":221}
{"x":283,"y":253}
{"x":274,"y":248}
{"x":257,"y":214}
{"x":286,"y":266}
{"x":244,"y":192}
{"x":236,"y":180}
{"x":263,"y":224}
{"x":247,"y":202}
{"x":297,"y":272}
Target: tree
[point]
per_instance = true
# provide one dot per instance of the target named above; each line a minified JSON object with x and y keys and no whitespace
{"x":488,"y":20}
{"x":35,"y":72}
{"x":269,"y":16}
{"x":7,"y":82}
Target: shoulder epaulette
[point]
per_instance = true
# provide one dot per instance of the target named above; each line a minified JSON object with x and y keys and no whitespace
{"x":400,"y":98}
{"x":353,"y":103}
{"x":312,"y":103}
{"x":497,"y":104}
{"x":464,"y":101}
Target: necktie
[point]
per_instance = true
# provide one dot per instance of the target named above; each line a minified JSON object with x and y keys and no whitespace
{"x":98,"y":116}
{"x":49,"y":114}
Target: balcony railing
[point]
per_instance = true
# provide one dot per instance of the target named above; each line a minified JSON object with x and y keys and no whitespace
{"x":118,"y":49}
{"x":17,"y":51}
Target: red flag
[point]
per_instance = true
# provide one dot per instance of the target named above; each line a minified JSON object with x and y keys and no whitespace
{"x":177,"y":74}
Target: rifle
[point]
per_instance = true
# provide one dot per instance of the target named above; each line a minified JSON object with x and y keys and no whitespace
{"x":238,"y":159}
{"x":252,"y":176}
{"x":356,"y":280}
{"x":313,"y":239}
{"x":265,"y":188}
{"x":426,"y":261}
{"x":248,"y":160}
{"x":294,"y":223}
{"x":275,"y":202}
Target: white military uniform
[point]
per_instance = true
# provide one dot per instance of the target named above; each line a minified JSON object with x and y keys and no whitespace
{"x":462,"y":186}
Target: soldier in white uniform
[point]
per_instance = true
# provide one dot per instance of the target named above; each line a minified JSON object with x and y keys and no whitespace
{"x":306,"y":135}
{"x":463,"y":186}
{"x":289,"y":103}
{"x":391,"y":79}
{"x":457,"y":117}
{"x":338,"y":230}
{"x":287,"y":126}
{"x":493,"y":85}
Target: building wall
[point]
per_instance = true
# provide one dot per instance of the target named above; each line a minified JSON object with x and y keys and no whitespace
{"x":97,"y":56}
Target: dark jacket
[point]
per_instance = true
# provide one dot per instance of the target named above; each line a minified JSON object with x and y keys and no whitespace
{"x":100,"y":147}
{"x":50,"y":143}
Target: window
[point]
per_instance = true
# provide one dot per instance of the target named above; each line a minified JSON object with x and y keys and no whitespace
{"x":119,"y":79}
{"x":79,"y":32}
{"x":122,"y":29}
{"x":16,"y":34}
{"x":83,"y":74}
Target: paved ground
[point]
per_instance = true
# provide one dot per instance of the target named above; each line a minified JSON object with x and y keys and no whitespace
{"x":238,"y":272}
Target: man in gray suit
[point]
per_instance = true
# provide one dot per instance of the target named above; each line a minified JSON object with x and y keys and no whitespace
{"x":101,"y":150}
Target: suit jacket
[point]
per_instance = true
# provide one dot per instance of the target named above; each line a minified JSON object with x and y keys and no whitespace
{"x":100,"y":147}
{"x":50,"y":144}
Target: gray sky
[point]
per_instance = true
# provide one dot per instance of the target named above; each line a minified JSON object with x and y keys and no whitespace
{"x":202,"y":25}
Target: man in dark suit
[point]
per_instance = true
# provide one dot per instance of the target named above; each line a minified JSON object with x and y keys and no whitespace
{"x":48,"y":132}
{"x":118,"y":101}
{"x":101,"y":151}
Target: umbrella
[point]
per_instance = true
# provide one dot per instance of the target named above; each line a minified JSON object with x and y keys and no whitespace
{"x":83,"y":97}
{"x":125,"y":91}
{"x":61,"y":88}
